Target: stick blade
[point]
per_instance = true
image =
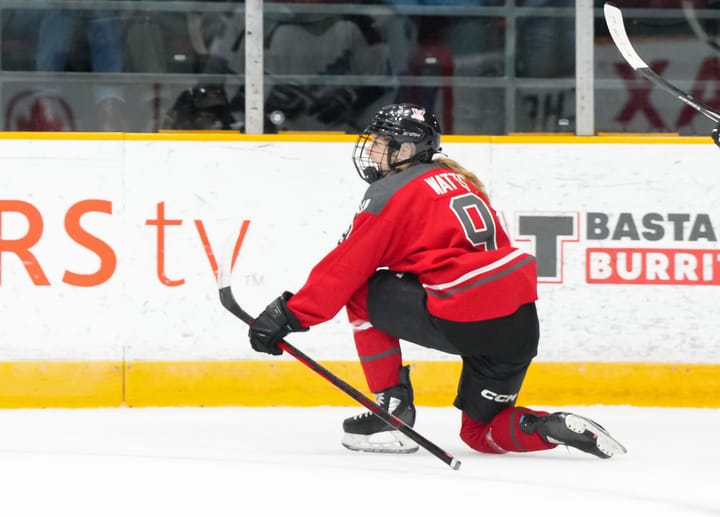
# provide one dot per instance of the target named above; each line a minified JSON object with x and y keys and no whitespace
{"x":224,"y":283}
{"x":616,"y":26}
{"x":225,"y":266}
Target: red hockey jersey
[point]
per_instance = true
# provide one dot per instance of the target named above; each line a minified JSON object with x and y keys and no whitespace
{"x":429,"y":221}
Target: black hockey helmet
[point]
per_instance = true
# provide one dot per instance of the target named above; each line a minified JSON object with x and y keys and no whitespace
{"x":401,"y":123}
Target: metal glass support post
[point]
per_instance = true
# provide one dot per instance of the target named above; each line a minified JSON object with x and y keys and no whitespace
{"x":584,"y":72}
{"x":254,"y":89}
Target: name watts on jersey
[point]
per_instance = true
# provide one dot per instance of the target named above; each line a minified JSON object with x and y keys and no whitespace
{"x":446,"y":182}
{"x":624,"y":265}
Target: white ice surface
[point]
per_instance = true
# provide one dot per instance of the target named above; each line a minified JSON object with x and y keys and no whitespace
{"x":177,"y":462}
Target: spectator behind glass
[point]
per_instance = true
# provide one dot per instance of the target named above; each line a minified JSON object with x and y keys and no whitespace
{"x":102,"y":31}
{"x":325,"y":45}
{"x":295,"y":44}
{"x":545,"y":49}
{"x":545,"y":44}
{"x":454,"y":44}
{"x":218,"y":43}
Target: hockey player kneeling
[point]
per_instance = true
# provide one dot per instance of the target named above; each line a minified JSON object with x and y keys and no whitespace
{"x":426,"y":260}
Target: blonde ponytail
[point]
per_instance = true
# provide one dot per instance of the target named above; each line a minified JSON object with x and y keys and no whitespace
{"x":462,"y":171}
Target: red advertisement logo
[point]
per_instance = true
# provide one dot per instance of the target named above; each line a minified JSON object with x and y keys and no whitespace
{"x":662,"y":266}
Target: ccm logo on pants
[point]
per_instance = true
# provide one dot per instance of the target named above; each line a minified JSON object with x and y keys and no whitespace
{"x":495,"y":397}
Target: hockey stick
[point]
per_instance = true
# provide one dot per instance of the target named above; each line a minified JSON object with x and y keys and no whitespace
{"x":616,"y":25}
{"x":230,"y":303}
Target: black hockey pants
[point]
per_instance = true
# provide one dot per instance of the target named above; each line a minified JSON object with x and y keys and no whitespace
{"x":495,"y":353}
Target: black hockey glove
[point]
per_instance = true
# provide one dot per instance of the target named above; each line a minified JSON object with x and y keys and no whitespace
{"x":716,"y":135}
{"x":273,"y":324}
{"x":333,"y":105}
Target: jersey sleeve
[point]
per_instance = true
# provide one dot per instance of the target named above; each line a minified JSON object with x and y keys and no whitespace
{"x":344,"y":270}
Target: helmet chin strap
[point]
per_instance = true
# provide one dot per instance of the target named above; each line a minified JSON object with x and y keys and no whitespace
{"x":373,"y":173}
{"x":395,"y":149}
{"x":403,"y":162}
{"x":412,"y":159}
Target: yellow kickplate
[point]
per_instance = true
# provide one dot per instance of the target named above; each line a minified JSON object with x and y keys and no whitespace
{"x":289,"y":383}
{"x":68,"y":384}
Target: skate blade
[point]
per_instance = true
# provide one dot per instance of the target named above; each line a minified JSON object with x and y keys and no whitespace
{"x":386,"y":441}
{"x":603,"y":441}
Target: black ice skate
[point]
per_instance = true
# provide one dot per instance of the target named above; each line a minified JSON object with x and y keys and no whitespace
{"x":367,"y":432}
{"x":574,"y":431}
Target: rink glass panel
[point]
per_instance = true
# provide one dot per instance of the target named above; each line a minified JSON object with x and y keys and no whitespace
{"x":492,"y":67}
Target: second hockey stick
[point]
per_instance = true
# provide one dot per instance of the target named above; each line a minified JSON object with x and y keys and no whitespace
{"x":230,"y":303}
{"x":616,"y":26}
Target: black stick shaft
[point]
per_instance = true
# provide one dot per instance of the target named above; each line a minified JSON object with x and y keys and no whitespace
{"x":616,"y":25}
{"x":228,"y":301}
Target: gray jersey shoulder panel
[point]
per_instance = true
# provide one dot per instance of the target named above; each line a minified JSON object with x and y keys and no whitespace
{"x":380,"y":192}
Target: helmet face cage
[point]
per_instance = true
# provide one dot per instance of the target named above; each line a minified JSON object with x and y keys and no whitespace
{"x":401,"y":123}
{"x":368,"y":169}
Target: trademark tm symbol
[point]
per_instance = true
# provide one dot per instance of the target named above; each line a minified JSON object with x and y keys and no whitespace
{"x":254,"y":280}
